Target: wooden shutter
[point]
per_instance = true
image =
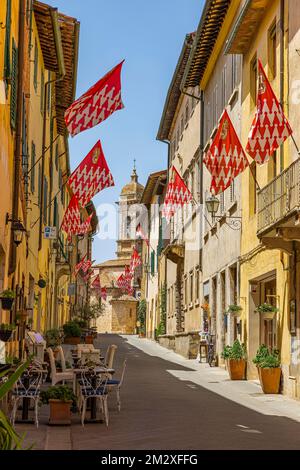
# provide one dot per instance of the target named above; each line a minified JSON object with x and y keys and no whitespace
{"x":32,"y":173}
{"x":45,"y":199}
{"x":14,"y":86}
{"x":7,"y":42}
{"x":36,"y":60}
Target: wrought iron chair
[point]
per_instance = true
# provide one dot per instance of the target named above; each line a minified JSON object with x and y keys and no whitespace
{"x":93,"y":385}
{"x":116,"y":385}
{"x":27,"y":387}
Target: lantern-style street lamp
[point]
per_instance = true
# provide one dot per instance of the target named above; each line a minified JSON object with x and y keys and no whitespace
{"x":212,"y":205}
{"x":18,"y":229}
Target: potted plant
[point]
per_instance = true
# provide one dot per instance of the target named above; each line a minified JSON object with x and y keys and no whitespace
{"x":268,"y":311}
{"x":53,"y":339}
{"x":72,"y":332}
{"x":235,"y":357}
{"x":235,"y":310}
{"x":60,"y":399}
{"x":269,"y":369}
{"x":7,"y":299}
{"x":6,"y":331}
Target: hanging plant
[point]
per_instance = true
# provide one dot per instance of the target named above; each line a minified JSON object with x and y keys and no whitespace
{"x":234,"y":310}
{"x":268,"y":311}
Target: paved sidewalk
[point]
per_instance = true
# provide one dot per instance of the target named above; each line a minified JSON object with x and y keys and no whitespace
{"x":215,"y":379}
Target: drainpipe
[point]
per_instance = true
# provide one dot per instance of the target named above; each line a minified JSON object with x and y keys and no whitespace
{"x":61,"y":75}
{"x":282,"y":12}
{"x":17,"y":153}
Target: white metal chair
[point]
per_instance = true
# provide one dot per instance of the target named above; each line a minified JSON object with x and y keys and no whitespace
{"x":93,"y":385}
{"x":59,"y":376}
{"x":27,"y":387}
{"x":114,"y":384}
{"x":109,"y":356}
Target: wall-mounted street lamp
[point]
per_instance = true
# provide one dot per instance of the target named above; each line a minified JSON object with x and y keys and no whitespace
{"x":18,"y":229}
{"x":212,"y":205}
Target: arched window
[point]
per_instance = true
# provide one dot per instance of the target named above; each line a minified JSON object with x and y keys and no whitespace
{"x":128,"y":225}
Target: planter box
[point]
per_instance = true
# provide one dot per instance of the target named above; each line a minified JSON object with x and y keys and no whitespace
{"x":6,"y":303}
{"x":72,"y":340}
{"x":236,"y":369}
{"x":270,"y":379}
{"x":89,"y":339}
{"x":269,"y":316}
{"x":5,"y":335}
{"x":60,"y":412}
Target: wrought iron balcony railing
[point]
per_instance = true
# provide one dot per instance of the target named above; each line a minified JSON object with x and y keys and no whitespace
{"x":280,"y":199}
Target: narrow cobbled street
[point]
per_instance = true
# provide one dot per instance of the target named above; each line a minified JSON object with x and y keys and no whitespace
{"x":159,"y":411}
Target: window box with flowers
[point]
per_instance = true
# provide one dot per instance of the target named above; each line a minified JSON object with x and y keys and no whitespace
{"x":267,"y":311}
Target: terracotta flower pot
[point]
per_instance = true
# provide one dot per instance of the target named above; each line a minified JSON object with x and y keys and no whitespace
{"x":236,"y":369}
{"x":270,"y":379}
{"x":72,"y":340}
{"x":60,"y":412}
{"x":89,"y":339}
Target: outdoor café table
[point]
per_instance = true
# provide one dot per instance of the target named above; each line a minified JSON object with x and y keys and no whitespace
{"x":93,"y":400}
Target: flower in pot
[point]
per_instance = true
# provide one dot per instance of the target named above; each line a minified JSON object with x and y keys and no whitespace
{"x":269,"y":369}
{"x":235,"y":357}
{"x":7,"y":299}
{"x":268,"y":311}
{"x":60,"y":399}
{"x":234,"y":310}
{"x":6,"y":330}
{"x":72,"y":332}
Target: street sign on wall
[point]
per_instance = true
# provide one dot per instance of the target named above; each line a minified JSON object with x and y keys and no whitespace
{"x":50,"y":233}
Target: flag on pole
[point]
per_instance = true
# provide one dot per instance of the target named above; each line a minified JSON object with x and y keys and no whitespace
{"x":86,"y":265}
{"x":270,"y":127}
{"x":96,"y":283}
{"x":79,"y":265}
{"x":97,"y":104}
{"x":87,"y":276}
{"x":103,"y":293}
{"x":121,"y":282}
{"x":71,"y":223}
{"x":140,"y":234}
{"x":177,"y":195}
{"x":225,"y":159}
{"x":135,"y":261}
{"x":91,"y":176}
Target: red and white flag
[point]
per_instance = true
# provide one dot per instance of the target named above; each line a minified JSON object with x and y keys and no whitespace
{"x":97,"y":104}
{"x":78,"y":266}
{"x":91,"y":176}
{"x":225,"y":159}
{"x":177,"y":195}
{"x":121,"y":282}
{"x":87,"y":276}
{"x":71,"y":223}
{"x":103,"y":293}
{"x":96,"y":283}
{"x":85,"y":226}
{"x":86,"y":265}
{"x":135,"y":261}
{"x":140,"y":234}
{"x":270,"y":127}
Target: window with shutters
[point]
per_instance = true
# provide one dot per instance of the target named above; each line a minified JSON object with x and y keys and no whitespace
{"x":49,"y":88}
{"x":25,"y":152}
{"x":39,"y":185}
{"x":42,"y":91}
{"x":253,"y":81}
{"x":55,"y":213}
{"x":187,"y":112}
{"x":14,"y":86}
{"x":6,"y":72}
{"x":36,"y":63}
{"x":232,"y":192}
{"x":32,"y":172}
{"x":56,"y":157}
{"x":272,"y":50}
{"x":152,"y":263}
{"x":234,"y":72}
{"x":45,"y":199}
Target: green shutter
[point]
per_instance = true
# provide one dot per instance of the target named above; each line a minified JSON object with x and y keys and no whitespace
{"x":32,"y":173}
{"x":56,"y":157}
{"x":36,"y":60}
{"x":6,"y":73}
{"x":40,"y":184}
{"x":42,"y":92}
{"x":49,"y":94}
{"x":14,"y":86}
{"x":45,"y":199}
{"x":152,"y":265}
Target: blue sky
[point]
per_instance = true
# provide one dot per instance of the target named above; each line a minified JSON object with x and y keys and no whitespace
{"x":149,"y":36}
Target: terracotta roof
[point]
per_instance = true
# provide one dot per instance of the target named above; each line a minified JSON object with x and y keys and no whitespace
{"x":152,"y":185}
{"x":211,"y":22}
{"x":174,"y":91}
{"x":63,"y":46}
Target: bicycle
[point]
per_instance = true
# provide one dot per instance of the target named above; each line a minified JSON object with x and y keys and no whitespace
{"x":211,"y":358}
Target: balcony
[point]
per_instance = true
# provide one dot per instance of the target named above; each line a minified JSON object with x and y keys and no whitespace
{"x":279,"y":202}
